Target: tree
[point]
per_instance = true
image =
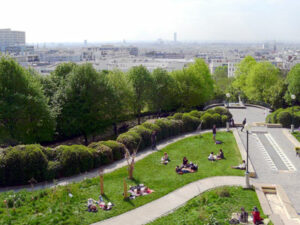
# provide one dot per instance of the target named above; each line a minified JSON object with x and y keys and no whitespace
{"x":84,"y":103}
{"x":161,"y":90}
{"x":120,"y":98}
{"x":24,"y":116}
{"x":194,"y":85}
{"x":261,"y":78}
{"x":293,"y":81}
{"x":242,"y":72}
{"x":277,"y":92}
{"x":141,"y":81}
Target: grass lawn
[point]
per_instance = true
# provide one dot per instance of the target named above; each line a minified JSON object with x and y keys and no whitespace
{"x":212,"y":207}
{"x":54,"y":206}
{"x":297,"y":135}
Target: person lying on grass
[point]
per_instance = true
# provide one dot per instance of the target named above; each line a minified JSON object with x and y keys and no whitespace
{"x":189,"y":168}
{"x":165,"y":159}
{"x":212,"y":157}
{"x":139,"y":190}
{"x":242,"y":166}
{"x":220,"y":155}
{"x":91,"y":206}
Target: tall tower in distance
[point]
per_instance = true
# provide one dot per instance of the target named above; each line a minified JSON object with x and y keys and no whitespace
{"x":175,"y":37}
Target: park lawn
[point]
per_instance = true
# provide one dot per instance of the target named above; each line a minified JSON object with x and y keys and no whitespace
{"x":297,"y":135}
{"x":212,"y":207}
{"x":54,"y":206}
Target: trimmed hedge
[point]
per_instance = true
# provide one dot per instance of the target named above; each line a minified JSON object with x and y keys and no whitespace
{"x":285,"y":116}
{"x":21,"y":163}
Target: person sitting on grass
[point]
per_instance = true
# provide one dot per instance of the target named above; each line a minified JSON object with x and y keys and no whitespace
{"x":211,"y":157}
{"x":220,"y":155}
{"x":165,"y":159}
{"x":91,"y":206}
{"x":243,"y":217}
{"x":185,"y":162}
{"x":242,"y":166}
{"x":256,"y":216}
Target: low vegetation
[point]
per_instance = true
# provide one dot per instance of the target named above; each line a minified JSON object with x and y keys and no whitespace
{"x":285,"y":116}
{"x":213,"y":207}
{"x":55,"y":206}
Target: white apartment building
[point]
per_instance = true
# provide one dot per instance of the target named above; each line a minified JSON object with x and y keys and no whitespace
{"x":9,"y":37}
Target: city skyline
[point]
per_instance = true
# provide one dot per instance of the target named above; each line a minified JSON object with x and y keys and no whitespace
{"x":133,"y":20}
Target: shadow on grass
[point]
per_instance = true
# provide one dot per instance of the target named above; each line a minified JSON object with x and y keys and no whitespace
{"x":129,"y":201}
{"x":106,"y":197}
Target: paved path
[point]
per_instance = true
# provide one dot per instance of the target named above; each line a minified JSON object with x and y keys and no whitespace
{"x":272,"y":154}
{"x":164,"y":205}
{"x":106,"y":169}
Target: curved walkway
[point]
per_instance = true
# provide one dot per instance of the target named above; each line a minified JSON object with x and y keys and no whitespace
{"x":106,"y":169}
{"x":168,"y":203}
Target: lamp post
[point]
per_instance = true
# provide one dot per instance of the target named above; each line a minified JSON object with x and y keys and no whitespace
{"x":248,"y":130}
{"x":293,"y":97}
{"x":228,"y":96}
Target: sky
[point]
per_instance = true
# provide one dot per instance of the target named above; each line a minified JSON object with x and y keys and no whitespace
{"x":149,"y":20}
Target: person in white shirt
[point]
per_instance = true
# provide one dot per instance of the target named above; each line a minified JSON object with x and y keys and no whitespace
{"x":242,"y":166}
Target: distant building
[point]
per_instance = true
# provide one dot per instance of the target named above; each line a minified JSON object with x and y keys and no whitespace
{"x":215,"y":64}
{"x":175,"y":37}
{"x":10,"y":38}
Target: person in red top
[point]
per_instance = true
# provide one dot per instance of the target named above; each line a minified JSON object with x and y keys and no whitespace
{"x":256,"y":216}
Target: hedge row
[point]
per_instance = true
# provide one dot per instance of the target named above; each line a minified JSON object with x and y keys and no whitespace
{"x":21,"y":163}
{"x":285,"y":116}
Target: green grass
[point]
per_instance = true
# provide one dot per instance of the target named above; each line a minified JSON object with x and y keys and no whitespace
{"x":297,"y":135}
{"x":53,"y":206}
{"x":211,"y":207}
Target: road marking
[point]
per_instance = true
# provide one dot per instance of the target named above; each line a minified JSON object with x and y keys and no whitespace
{"x":265,"y":153}
{"x":281,"y":154}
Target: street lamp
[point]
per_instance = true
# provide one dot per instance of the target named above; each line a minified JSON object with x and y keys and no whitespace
{"x":228,"y":96}
{"x":248,"y":130}
{"x":293,"y":97}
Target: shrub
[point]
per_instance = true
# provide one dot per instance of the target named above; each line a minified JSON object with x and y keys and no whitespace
{"x":23,"y":162}
{"x":164,"y":125}
{"x":178,"y":116}
{"x":154,"y":127}
{"x":207,"y":121}
{"x":75,"y":159}
{"x":224,"y":119}
{"x":102,"y":154}
{"x":130,"y":139}
{"x":145,"y":133}
{"x":118,"y":149}
{"x":51,"y":153}
{"x":217,"y":119}
{"x":54,"y":170}
{"x":190,"y":123}
{"x":285,"y":119}
{"x":196,"y":113}
{"x":175,"y":127}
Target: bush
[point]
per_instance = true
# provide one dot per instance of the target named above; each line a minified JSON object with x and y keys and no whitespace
{"x":153,"y":127}
{"x":207,"y":121}
{"x":190,"y":123}
{"x":75,"y":159}
{"x":51,"y":153}
{"x":118,"y":149}
{"x":54,"y":170}
{"x":130,"y":139}
{"x":164,"y":125}
{"x":285,"y":119}
{"x":145,"y":133}
{"x":102,"y":154}
{"x":224,"y":119}
{"x":178,"y":116}
{"x":217,"y":119}
{"x":175,"y":127}
{"x":23,"y":162}
{"x":196,"y":113}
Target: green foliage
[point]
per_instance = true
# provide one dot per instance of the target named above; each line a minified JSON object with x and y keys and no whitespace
{"x":178,"y":116}
{"x":102,"y":154}
{"x":207,"y":120}
{"x":24,"y":116}
{"x":193,"y":85}
{"x":196,"y":113}
{"x":23,"y":162}
{"x":285,"y":116}
{"x":293,"y":82}
{"x":117,"y":148}
{"x":190,"y":123}
{"x":54,"y":170}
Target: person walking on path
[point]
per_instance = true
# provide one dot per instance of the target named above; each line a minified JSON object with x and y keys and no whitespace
{"x":244,"y":123}
{"x":214,"y":131}
{"x":153,"y":140}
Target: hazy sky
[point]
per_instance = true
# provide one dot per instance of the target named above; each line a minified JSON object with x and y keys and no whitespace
{"x":115,"y":20}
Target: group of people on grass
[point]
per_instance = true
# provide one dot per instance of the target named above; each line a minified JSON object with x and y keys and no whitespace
{"x":243,"y":217}
{"x":139,"y":190}
{"x":186,"y":167}
{"x":219,"y":156}
{"x":92,"y":205}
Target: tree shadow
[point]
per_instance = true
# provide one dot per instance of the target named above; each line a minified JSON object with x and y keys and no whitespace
{"x":129,"y":201}
{"x":106,"y":197}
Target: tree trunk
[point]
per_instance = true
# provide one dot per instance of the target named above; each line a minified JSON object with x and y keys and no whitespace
{"x":85,"y":139}
{"x":130,"y":171}
{"x":115,"y":129}
{"x":139,"y":118}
